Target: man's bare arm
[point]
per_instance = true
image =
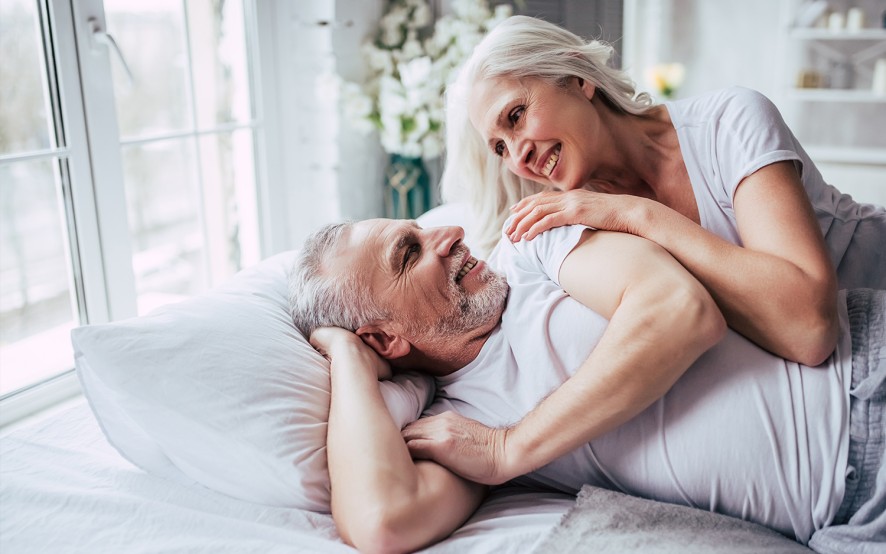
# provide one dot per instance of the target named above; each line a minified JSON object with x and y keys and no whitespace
{"x":382,"y":501}
{"x":661,"y":319}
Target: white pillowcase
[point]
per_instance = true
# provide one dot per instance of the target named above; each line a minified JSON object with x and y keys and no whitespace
{"x":222,"y":389}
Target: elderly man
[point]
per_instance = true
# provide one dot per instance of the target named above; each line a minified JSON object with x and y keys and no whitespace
{"x":596,"y":358}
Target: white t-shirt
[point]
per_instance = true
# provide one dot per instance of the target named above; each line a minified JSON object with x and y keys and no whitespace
{"x":729,"y":134}
{"x":743,"y":432}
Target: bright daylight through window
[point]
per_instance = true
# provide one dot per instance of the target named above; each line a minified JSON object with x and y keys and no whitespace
{"x":185,"y":124}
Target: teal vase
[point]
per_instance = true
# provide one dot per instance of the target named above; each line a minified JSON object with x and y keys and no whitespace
{"x":408,"y":187}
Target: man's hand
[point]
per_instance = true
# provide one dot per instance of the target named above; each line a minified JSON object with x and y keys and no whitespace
{"x":464,"y":446}
{"x":335,"y":341}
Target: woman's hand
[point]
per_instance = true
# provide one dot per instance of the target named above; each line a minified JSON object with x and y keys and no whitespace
{"x":546,"y":210}
{"x":464,"y":446}
{"x":335,"y":342}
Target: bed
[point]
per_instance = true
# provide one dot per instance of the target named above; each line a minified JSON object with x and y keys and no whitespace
{"x":66,"y":489}
{"x":202,"y":428}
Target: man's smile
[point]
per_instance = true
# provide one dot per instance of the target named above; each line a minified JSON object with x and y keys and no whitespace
{"x":470,"y":263}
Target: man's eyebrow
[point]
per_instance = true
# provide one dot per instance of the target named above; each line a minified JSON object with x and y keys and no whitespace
{"x":401,"y":239}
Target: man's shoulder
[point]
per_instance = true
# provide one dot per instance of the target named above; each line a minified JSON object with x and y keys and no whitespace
{"x":542,"y":255}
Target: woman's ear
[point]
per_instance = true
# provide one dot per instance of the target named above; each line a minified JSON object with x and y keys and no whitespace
{"x":586,"y":87}
{"x":386,"y":344}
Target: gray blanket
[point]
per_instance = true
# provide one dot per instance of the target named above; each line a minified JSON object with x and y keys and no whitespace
{"x":604,"y":521}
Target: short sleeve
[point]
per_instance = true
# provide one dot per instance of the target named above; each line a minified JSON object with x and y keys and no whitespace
{"x":545,"y":252}
{"x":750,"y":134}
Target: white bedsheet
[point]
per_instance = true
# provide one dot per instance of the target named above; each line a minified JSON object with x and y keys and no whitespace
{"x":63,"y":488}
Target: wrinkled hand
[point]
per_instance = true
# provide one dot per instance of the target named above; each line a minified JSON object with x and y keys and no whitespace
{"x":335,"y":341}
{"x":546,"y":210}
{"x":462,"y":445}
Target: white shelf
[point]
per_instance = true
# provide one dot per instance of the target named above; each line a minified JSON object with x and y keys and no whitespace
{"x":827,"y":34}
{"x":847,"y":155}
{"x":836,"y":95}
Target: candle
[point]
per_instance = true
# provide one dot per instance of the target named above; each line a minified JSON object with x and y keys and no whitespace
{"x":854,"y":19}
{"x":879,"y":84}
{"x":836,"y":21}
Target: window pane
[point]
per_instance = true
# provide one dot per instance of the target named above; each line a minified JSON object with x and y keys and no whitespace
{"x":218,"y":49}
{"x":151,"y":37}
{"x":228,"y":174}
{"x":23,"y":95}
{"x":166,"y":228}
{"x":36,"y":314}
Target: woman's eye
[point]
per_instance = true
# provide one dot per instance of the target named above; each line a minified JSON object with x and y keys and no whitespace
{"x":516,"y":114}
{"x":499,"y":148}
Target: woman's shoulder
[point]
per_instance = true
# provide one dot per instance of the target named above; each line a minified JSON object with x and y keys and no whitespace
{"x":730,"y":97}
{"x":725,"y":106}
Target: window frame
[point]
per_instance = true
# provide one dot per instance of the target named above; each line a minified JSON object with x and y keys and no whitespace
{"x":92,"y":181}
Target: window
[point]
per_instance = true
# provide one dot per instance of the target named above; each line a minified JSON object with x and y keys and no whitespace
{"x":186,"y":123}
{"x":128,"y":172}
{"x":39,"y":298}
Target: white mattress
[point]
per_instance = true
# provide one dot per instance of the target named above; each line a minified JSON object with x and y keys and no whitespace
{"x":63,"y":488}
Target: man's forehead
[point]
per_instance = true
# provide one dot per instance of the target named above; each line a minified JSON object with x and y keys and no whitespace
{"x":368,"y":242}
{"x":372,"y":232}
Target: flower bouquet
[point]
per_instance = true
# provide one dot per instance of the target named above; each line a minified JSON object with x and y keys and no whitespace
{"x":411,"y":59}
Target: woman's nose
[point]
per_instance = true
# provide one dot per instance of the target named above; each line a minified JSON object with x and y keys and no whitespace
{"x":521,"y":153}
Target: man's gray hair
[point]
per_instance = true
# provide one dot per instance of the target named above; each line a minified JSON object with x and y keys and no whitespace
{"x":317,"y":299}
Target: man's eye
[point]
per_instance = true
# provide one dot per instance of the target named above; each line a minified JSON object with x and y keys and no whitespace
{"x":499,"y":148}
{"x":413,"y":250}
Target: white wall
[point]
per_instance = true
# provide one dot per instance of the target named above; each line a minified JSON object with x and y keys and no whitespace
{"x":720,"y":42}
{"x":724,"y":43}
{"x":327,"y":173}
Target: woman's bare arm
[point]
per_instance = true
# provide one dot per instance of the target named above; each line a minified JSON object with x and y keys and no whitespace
{"x":661,"y":319}
{"x":779,"y":289}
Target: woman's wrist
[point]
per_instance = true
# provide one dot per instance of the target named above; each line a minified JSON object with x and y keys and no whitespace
{"x":516,"y":454}
{"x":642,"y":216}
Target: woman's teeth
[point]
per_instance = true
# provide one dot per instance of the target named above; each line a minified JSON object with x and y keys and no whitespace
{"x":552,"y":162}
{"x":469,"y":265}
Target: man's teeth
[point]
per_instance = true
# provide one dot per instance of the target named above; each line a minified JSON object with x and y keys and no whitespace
{"x":552,"y":162}
{"x":469,"y":265}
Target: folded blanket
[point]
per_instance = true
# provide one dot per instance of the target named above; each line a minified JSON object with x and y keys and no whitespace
{"x":607,"y":521}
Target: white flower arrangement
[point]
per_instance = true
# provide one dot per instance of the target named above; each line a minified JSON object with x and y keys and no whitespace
{"x":410,"y":64}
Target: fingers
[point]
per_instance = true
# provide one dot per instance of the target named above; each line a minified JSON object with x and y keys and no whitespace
{"x":422,"y":428}
{"x":534,"y":215}
{"x":548,"y":221}
{"x":421,"y":449}
{"x":420,"y":439}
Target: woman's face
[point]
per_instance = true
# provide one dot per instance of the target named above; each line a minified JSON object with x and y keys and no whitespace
{"x":543,"y":132}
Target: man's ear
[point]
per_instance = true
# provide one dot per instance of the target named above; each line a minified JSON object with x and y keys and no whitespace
{"x":587,"y":88}
{"x":387,"y":344}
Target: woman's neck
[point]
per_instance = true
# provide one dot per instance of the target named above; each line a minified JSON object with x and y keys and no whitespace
{"x":648,"y":161}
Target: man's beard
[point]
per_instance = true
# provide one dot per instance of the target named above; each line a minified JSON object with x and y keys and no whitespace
{"x":475,"y":310}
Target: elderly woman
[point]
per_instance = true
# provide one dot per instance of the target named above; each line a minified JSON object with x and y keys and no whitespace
{"x":718,"y":180}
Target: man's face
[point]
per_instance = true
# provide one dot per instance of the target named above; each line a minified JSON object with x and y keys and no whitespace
{"x":425,"y":278}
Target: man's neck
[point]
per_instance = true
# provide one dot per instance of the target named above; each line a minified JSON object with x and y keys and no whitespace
{"x":442,"y":355}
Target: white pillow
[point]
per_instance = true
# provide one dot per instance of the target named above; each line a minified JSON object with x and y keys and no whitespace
{"x":222,"y":389}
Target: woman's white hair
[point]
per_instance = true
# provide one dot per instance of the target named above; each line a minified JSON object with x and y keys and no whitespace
{"x":519,"y":47}
{"x":317,"y":299}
